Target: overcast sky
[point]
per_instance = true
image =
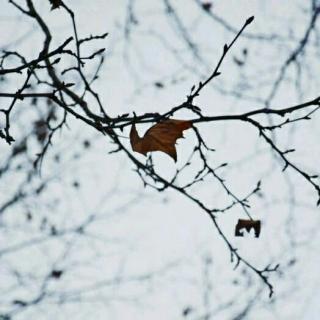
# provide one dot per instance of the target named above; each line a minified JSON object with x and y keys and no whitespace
{"x":150,"y":255}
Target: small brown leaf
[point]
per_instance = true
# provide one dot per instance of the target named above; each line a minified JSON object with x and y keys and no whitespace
{"x":248,"y":225}
{"x":160,"y":137}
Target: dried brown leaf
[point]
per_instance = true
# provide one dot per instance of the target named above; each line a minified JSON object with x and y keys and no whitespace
{"x":160,"y":137}
{"x":248,"y":225}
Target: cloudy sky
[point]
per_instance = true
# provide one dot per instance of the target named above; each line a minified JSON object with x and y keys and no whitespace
{"x":156,"y":255}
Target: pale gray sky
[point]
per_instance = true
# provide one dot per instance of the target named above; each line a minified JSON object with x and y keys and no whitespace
{"x":138,"y":232}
